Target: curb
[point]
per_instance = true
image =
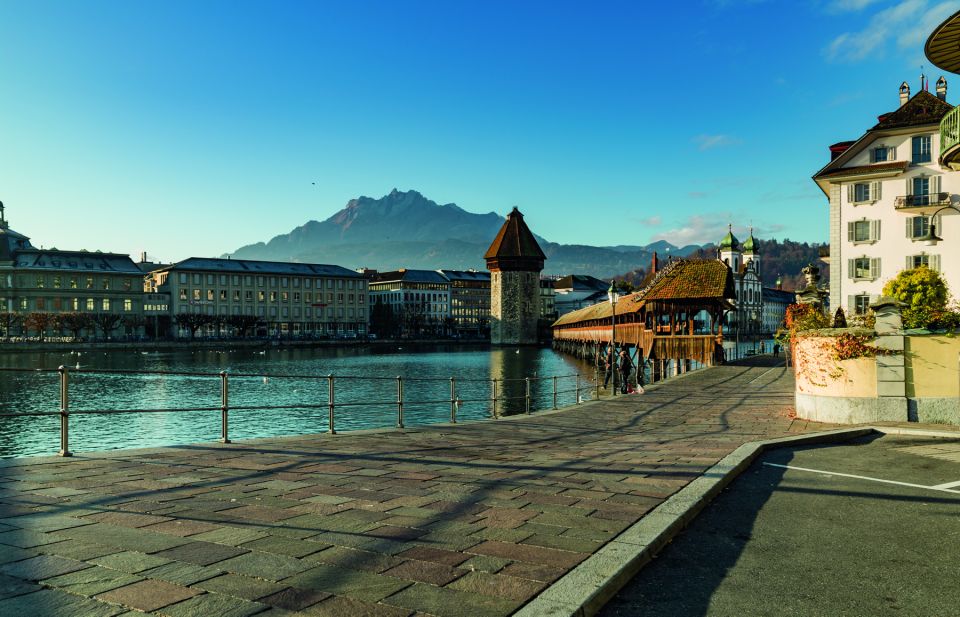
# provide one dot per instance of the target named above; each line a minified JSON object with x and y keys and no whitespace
{"x":587,"y":588}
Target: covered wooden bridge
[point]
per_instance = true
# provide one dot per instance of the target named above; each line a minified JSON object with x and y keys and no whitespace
{"x":677,"y":315}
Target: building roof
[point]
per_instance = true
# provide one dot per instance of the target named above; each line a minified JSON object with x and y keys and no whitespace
{"x":750,"y":245}
{"x":865,"y":170}
{"x":248,"y":266}
{"x":11,"y":242}
{"x":581,"y":282}
{"x":515,"y":248}
{"x":681,"y":279}
{"x":410,"y":276}
{"x":466,"y":275}
{"x":76,"y":261}
{"x":922,"y":109}
{"x":779,"y":295}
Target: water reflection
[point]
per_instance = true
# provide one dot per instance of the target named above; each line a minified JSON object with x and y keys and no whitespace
{"x":365,"y":392}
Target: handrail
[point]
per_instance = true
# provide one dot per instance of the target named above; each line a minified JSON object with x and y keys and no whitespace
{"x":222,"y":380}
{"x":949,"y":131}
{"x":918,"y":201}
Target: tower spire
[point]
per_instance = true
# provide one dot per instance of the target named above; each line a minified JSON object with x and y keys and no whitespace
{"x":3,"y":221}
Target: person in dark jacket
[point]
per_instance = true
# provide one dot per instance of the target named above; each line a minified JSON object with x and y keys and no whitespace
{"x":626,"y":365}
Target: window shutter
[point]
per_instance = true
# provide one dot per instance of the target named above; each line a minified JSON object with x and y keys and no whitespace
{"x":874,"y":230}
{"x":909,"y":186}
{"x":874,"y":191}
{"x":891,"y":154}
{"x":935,"y":221}
{"x":934,"y":184}
{"x":851,"y":305}
{"x":935,"y":263}
{"x":874,"y":267}
{"x":909,"y":264}
{"x":850,"y":195}
{"x":850,"y":231}
{"x":851,"y":268}
{"x":910,"y":227}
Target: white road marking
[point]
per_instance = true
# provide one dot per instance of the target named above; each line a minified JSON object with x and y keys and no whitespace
{"x":944,"y":488}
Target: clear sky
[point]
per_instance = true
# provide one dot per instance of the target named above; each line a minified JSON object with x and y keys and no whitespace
{"x":193,"y":128}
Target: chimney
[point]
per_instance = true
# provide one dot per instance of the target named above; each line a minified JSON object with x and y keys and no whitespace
{"x":653,"y":264}
{"x":904,"y":93}
{"x":143,"y":257}
{"x":942,"y":88}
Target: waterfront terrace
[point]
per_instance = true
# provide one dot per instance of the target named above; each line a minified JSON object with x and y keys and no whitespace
{"x":448,"y":520}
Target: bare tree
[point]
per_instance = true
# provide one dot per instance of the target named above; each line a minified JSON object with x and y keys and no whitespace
{"x":192,"y":321}
{"x":9,"y":321}
{"x":134,"y":322}
{"x":107,"y":322}
{"x":39,"y":322}
{"x":74,"y":322}
{"x":243,"y":323}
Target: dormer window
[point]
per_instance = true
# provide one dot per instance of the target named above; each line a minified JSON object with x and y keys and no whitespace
{"x":921,"y":149}
{"x":883,"y":154}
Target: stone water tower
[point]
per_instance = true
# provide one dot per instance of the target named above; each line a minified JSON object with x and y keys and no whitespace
{"x":515,"y":261}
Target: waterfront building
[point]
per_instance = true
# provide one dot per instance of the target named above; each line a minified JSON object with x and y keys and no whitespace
{"x":103,"y":288}
{"x":469,"y":301}
{"x":883,"y":189}
{"x":775,"y":303}
{"x":409,"y":303}
{"x":278,"y":298}
{"x":548,"y":300}
{"x":576,"y":291}
{"x":515,"y":261}
{"x":744,"y":262}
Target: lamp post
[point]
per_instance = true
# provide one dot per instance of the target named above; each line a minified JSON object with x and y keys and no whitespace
{"x":931,"y":238}
{"x":613,"y":297}
{"x":754,"y":329}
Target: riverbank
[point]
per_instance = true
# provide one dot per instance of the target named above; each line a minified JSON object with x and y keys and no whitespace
{"x":212,"y":344}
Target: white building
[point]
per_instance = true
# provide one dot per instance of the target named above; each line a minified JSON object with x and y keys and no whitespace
{"x":745,"y":262}
{"x":883,"y":189}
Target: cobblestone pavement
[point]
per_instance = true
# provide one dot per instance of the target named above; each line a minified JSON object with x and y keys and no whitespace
{"x":473,"y":519}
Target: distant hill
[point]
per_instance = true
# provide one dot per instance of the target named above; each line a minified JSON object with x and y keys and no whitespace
{"x":404,"y":229}
{"x":784,"y":258}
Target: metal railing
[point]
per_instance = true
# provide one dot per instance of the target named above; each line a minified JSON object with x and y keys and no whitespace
{"x":498,"y":398}
{"x":919,"y":201}
{"x":949,"y":133}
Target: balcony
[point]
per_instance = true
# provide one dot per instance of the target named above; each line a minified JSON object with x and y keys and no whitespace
{"x":950,"y":140}
{"x":922,"y":203}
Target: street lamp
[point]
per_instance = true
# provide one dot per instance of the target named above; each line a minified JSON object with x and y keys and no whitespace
{"x":613,"y":297}
{"x":931,"y":238}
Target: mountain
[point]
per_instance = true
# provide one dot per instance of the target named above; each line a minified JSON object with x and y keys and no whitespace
{"x":404,"y":229}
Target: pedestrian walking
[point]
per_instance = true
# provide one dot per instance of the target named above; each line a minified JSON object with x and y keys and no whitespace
{"x":608,"y":366}
{"x":776,"y":350}
{"x":626,"y":365}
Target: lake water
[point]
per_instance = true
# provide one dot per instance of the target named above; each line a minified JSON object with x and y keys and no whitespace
{"x":365,"y":392}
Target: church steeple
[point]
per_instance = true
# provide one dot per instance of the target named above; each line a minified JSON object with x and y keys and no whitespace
{"x":729,"y":251}
{"x":3,"y":221}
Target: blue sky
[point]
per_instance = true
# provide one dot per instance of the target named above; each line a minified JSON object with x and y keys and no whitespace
{"x":193,"y":128}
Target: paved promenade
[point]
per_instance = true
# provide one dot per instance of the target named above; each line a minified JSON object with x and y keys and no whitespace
{"x":474,"y":519}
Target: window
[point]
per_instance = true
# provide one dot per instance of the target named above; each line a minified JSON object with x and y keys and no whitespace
{"x":930,"y":261}
{"x":921,"y":149}
{"x":223,"y":279}
{"x":73,"y":282}
{"x":40,"y":304}
{"x":223,"y":294}
{"x":864,"y":268}
{"x":40,"y":282}
{"x":90,"y":304}
{"x":183,"y":278}
{"x":23,"y":304}
{"x":920,"y":189}
{"x":285,"y":296}
{"x":261,"y":296}
{"x":296,"y":295}
{"x":183,"y":294}
{"x":105,"y":304}
{"x":127,"y":284}
{"x":210,"y":295}
{"x":248,"y":295}
{"x":236,"y":295}
{"x":106,"y":284}
{"x":127,"y":305}
{"x":863,"y":192}
{"x":860,"y":304}
{"x":210,"y":279}
{"x":89,"y":282}
{"x":863,"y":231}
{"x":196,"y":294}
{"x":879,"y":155}
{"x":56,"y":282}
{"x":918,"y":226}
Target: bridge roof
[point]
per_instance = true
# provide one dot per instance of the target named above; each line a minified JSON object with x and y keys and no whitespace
{"x":681,"y":279}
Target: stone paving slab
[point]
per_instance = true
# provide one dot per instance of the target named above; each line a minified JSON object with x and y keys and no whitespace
{"x":445,"y":520}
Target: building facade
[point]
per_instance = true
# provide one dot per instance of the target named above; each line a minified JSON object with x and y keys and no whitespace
{"x":409,"y":303}
{"x":282,"y":299}
{"x":775,"y":303}
{"x":744,"y":262}
{"x":469,"y":301}
{"x":576,"y":291}
{"x":104,"y":289}
{"x":884,"y":190}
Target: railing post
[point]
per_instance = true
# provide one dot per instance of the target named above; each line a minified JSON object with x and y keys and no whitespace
{"x":554,"y":391}
{"x":494,"y":398}
{"x":399,"y":401}
{"x":577,"y":391}
{"x":330,"y":427}
{"x":224,"y":406}
{"x":453,"y":400}
{"x":598,"y":382}
{"x":527,"y":396}
{"x":64,"y":412}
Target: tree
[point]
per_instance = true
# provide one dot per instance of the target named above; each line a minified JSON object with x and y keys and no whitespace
{"x":107,"y":322}
{"x":9,"y":321}
{"x":839,"y":319}
{"x":924,"y":293}
{"x":243,"y":323}
{"x":192,"y":321}
{"x":74,"y":322}
{"x":39,"y":322}
{"x":134,"y":322}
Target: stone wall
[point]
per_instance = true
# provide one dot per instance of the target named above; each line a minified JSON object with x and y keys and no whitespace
{"x":514,"y":307}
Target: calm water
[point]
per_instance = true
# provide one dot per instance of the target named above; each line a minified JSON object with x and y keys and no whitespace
{"x":365,"y":386}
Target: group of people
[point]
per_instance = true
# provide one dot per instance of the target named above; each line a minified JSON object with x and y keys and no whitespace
{"x":623,"y":364}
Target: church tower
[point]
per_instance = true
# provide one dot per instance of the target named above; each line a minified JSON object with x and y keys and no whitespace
{"x":729,"y":251}
{"x":751,"y":251}
{"x":515,"y":262}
